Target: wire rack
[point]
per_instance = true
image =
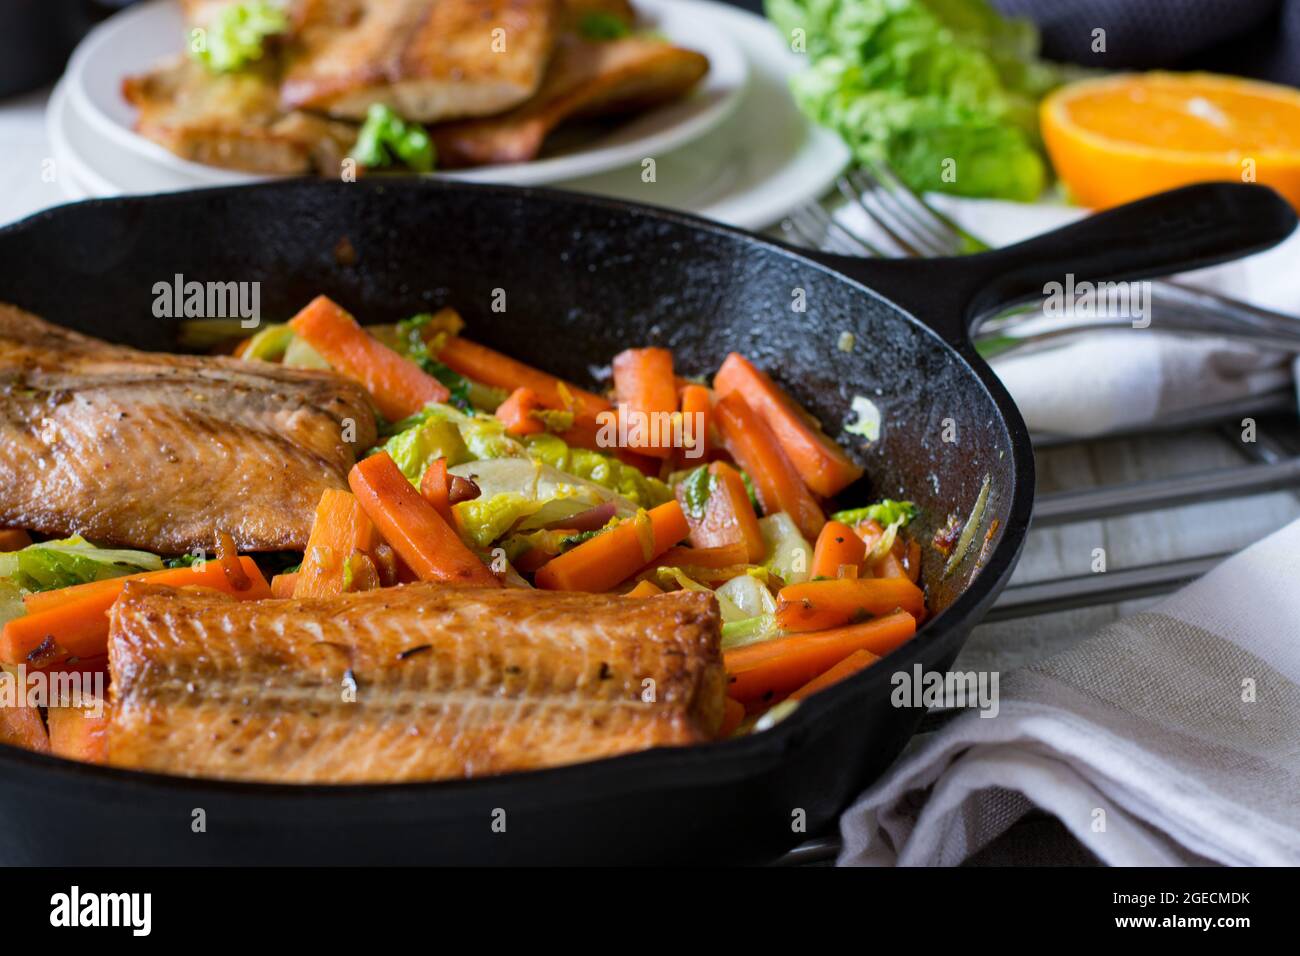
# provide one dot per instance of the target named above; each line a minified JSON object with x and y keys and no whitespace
{"x":1271,"y":463}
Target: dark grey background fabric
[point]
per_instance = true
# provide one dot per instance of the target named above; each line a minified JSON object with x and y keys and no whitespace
{"x":1259,"y":38}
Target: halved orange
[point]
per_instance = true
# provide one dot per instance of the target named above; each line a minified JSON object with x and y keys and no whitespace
{"x":1123,"y":137}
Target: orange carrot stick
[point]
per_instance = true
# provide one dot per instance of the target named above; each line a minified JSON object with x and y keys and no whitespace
{"x":14,"y":539}
{"x":822,"y":463}
{"x":912,"y":562}
{"x":769,"y":670}
{"x":728,"y":515}
{"x":646,"y":389}
{"x":837,"y":544}
{"x":21,"y":726}
{"x":78,"y":735}
{"x":697,"y":422}
{"x":645,"y":589}
{"x":733,"y":713}
{"x":414,"y":529}
{"x":516,"y":412}
{"x":282,"y":585}
{"x":398,"y":386}
{"x":73,"y":622}
{"x":845,"y":668}
{"x":889,"y":567}
{"x":604,"y":561}
{"x":755,"y":449}
{"x":817,"y":605}
{"x":482,"y":364}
{"x":341,"y":529}
{"x":722,"y":556}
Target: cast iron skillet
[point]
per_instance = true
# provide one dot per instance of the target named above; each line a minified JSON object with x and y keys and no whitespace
{"x":584,"y":278}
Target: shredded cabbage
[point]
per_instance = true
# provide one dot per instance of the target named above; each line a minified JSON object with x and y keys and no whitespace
{"x":603,"y":470}
{"x":416,"y":448}
{"x":788,"y":553}
{"x":884,"y":513}
{"x":61,"y":564}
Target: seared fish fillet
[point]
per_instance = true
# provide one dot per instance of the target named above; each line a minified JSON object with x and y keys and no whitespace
{"x":419,"y":682}
{"x":233,"y":120}
{"x":587,"y":78}
{"x":428,"y":59}
{"x":153,"y":451}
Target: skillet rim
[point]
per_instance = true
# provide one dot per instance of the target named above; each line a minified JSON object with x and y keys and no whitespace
{"x":703,"y":760}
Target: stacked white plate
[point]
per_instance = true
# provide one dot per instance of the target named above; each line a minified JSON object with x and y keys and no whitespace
{"x":737,"y":149}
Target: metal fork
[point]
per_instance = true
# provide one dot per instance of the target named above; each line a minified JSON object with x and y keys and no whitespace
{"x":908,"y":226}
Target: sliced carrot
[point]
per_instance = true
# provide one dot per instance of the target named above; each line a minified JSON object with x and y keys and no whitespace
{"x":733,"y":713}
{"x":645,"y":589}
{"x":646,"y":389}
{"x":855,"y":662}
{"x":78,"y":735}
{"x":837,"y":545}
{"x":21,"y":725}
{"x":398,"y":386}
{"x":817,"y":605}
{"x":722,"y":556}
{"x":282,"y":585}
{"x":752,"y":444}
{"x":482,"y":364}
{"x":890,"y":567}
{"x":912,"y":561}
{"x":870,"y":532}
{"x":728,"y":516}
{"x":769,"y":670}
{"x":414,"y":529}
{"x":73,"y":622}
{"x":516,"y":412}
{"x":341,"y":529}
{"x":697,"y":422}
{"x":611,"y":557}
{"x":435,"y":486}
{"x":825,"y":467}
{"x":14,"y":539}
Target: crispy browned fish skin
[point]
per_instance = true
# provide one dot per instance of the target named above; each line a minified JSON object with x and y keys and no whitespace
{"x":586,"y":78}
{"x":449,"y":682}
{"x":233,"y":120}
{"x":429,"y":60}
{"x":154,"y":451}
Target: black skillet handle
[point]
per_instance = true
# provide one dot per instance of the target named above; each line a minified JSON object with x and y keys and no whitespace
{"x":1174,"y":231}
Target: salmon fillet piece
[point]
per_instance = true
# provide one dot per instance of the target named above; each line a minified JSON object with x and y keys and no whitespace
{"x":159,"y":452}
{"x":587,"y":78}
{"x":418,"y":682}
{"x":428,"y":59}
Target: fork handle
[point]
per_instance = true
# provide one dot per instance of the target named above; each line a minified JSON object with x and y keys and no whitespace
{"x":1175,"y":231}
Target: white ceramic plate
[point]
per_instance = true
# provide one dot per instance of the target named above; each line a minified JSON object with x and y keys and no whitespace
{"x":753,"y":169}
{"x":138,"y":38}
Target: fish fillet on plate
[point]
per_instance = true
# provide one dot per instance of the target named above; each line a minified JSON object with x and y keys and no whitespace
{"x":586,"y":79}
{"x":160,"y":452}
{"x":417,"y":682}
{"x":429,"y":60}
{"x":233,"y":120}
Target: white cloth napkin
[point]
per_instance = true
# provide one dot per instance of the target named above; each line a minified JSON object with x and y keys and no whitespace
{"x":1170,"y":737}
{"x":1099,"y":382}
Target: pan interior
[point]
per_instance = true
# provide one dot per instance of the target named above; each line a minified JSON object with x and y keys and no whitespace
{"x":563,"y":284}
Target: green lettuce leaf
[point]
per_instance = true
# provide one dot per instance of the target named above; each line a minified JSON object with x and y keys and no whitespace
{"x":945,"y":91}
